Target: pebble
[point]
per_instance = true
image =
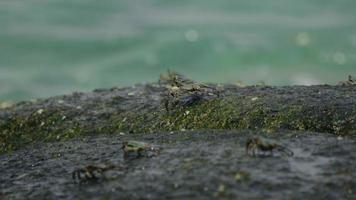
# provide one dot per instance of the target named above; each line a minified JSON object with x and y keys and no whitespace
{"x":40,"y":111}
{"x":254,"y":98}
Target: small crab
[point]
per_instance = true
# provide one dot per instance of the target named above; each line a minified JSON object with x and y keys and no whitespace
{"x":183,"y":91}
{"x":90,"y":173}
{"x":174,"y":79}
{"x":351,"y":81}
{"x":256,"y":146}
{"x":138,"y":149}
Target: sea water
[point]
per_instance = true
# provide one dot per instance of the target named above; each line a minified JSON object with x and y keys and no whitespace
{"x":53,"y":47}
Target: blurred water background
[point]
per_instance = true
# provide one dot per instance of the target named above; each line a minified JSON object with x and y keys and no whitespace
{"x":52,"y":47}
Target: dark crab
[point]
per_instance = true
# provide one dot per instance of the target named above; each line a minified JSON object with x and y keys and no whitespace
{"x":183,"y":91}
{"x":256,"y":146}
{"x":138,"y":149}
{"x":90,"y":173}
{"x":351,"y":81}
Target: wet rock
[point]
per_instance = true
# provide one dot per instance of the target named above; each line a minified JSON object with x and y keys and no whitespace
{"x":43,"y":142}
{"x":206,"y":164}
{"x":164,"y":106}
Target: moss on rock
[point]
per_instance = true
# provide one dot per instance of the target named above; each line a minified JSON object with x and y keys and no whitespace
{"x":329,"y":109}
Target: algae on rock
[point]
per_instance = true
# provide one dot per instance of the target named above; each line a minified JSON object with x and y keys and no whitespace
{"x":140,"y":109}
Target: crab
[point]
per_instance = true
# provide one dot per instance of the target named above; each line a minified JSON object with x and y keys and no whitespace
{"x":174,"y":79}
{"x":351,"y":81}
{"x":91,"y":173}
{"x":139,"y":149}
{"x":256,"y":146}
{"x":183,"y":91}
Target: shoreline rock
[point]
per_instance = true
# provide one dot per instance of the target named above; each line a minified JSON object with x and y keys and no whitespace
{"x":142,"y":109}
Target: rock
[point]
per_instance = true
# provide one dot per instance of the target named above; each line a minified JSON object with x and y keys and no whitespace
{"x":321,"y":108}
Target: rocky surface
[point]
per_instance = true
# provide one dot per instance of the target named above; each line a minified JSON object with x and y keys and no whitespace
{"x":202,"y":129}
{"x":205,"y":164}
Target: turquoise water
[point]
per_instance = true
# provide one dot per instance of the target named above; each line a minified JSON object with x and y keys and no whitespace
{"x":51,"y":47}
